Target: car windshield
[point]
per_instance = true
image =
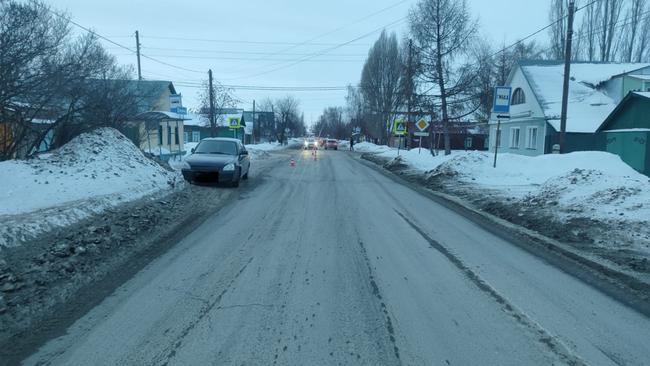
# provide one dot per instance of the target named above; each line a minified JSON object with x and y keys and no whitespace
{"x":216,"y":147}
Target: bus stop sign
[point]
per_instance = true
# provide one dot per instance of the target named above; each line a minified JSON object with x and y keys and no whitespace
{"x":502,"y":99}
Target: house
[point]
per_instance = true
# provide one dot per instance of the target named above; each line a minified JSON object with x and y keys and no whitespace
{"x":595,"y":89}
{"x":160,"y":133}
{"x":197,"y":126}
{"x":627,"y":130}
{"x":155,"y":128}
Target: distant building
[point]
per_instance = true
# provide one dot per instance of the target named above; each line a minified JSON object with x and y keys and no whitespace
{"x":155,"y":129}
{"x":626,"y":131}
{"x":595,"y":90}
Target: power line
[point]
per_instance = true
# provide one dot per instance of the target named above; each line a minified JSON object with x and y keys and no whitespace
{"x":247,"y":42}
{"x":324,"y":51}
{"x":115,"y":43}
{"x":342,"y":27}
{"x":244,"y":52}
{"x":541,"y":30}
{"x":249,"y":59}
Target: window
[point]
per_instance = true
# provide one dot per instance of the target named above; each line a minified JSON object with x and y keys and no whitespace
{"x":169,"y":135}
{"x":186,"y":136}
{"x":531,"y":138}
{"x":518,"y":97}
{"x":196,"y":136}
{"x":514,"y":137}
{"x":176,"y":141}
{"x":160,"y":136}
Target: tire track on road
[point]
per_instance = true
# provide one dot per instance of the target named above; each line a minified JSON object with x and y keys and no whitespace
{"x":545,"y":338}
{"x":203,"y":312}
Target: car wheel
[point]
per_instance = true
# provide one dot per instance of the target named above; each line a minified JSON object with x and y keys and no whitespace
{"x":235,"y":183}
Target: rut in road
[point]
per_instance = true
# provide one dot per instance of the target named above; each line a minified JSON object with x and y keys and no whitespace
{"x":553,"y":344}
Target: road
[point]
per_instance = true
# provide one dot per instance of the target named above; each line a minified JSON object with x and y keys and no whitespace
{"x":333,"y":263}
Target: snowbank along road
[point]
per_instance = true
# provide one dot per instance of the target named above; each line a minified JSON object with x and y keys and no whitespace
{"x":333,"y":263}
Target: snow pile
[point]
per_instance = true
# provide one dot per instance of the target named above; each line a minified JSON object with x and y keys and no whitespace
{"x":261,"y":151}
{"x":368,"y":147}
{"x":94,"y":171}
{"x":594,"y":184}
{"x":266,"y":146}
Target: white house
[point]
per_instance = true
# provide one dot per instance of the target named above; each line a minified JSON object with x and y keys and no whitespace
{"x":595,"y":89}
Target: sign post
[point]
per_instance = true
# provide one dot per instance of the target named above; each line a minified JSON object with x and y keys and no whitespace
{"x":234,"y":123}
{"x":399,"y":129}
{"x":422,"y":126}
{"x":501,"y":107}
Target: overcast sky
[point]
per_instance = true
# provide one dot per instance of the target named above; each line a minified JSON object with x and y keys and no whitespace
{"x":259,"y":43}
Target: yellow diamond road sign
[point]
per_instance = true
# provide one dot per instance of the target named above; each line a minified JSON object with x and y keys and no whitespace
{"x":422,"y":124}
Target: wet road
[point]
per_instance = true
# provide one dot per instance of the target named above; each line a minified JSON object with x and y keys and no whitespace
{"x":332,"y":263}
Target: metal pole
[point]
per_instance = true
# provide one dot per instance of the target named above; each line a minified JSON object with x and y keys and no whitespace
{"x":497,"y":139}
{"x":567,"y":74}
{"x":213,"y":126}
{"x":253,"y":136}
{"x":137,"y":47}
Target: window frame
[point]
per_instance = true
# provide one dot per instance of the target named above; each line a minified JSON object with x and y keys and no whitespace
{"x":518,"y":97}
{"x":529,"y":130}
{"x":512,"y":137}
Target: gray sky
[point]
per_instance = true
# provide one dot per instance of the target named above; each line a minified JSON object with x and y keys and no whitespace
{"x":250,"y":39}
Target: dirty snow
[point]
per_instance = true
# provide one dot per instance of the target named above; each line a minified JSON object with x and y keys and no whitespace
{"x":92,"y":172}
{"x":596,"y":183}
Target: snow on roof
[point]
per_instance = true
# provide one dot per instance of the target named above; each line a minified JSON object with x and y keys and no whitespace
{"x":193,"y":119}
{"x":588,"y":106}
{"x":641,"y":77}
{"x":643,"y":94}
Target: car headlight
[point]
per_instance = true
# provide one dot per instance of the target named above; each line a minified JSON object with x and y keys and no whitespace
{"x":186,"y":165}
{"x":229,"y":167}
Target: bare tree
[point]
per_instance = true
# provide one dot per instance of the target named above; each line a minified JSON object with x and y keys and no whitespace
{"x":443,"y":30}
{"x":633,"y":26}
{"x":222,"y":98}
{"x":288,"y":118}
{"x":331,"y":124}
{"x":380,"y":82}
{"x":643,"y":43}
{"x":587,"y":33}
{"x":557,"y":33}
{"x":44,"y":77}
{"x":609,"y":12}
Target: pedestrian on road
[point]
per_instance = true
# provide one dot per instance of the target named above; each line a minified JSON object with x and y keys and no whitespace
{"x":351,"y":143}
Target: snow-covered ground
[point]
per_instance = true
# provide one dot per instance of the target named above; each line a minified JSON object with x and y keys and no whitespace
{"x":92,"y":172}
{"x":577,"y":186}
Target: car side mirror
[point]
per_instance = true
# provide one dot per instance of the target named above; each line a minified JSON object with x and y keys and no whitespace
{"x":192,"y":151}
{"x":244,"y":152}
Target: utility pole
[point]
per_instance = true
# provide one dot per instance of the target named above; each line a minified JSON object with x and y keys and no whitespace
{"x":409,"y":91}
{"x":567,"y":75}
{"x":254,"y":123}
{"x":137,"y":47}
{"x":213,"y":125}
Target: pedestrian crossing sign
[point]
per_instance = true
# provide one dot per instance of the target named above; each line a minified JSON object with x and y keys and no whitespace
{"x":399,"y":127}
{"x":234,"y":122}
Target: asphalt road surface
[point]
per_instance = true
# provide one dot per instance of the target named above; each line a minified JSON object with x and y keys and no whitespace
{"x":333,"y":263}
